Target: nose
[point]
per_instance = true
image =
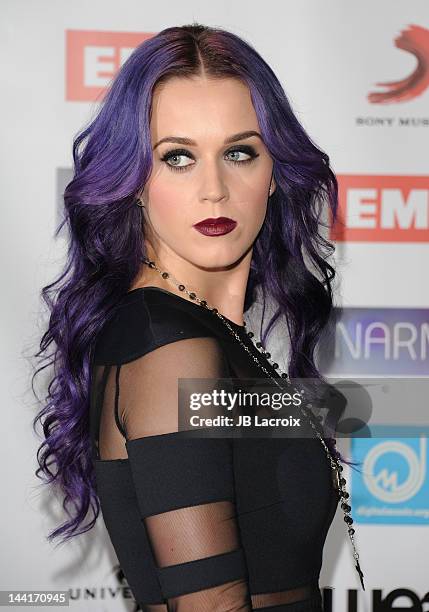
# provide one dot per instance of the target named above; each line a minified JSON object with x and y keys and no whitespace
{"x":213,"y":187}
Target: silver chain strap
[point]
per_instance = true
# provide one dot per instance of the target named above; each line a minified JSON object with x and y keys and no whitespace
{"x":339,"y":480}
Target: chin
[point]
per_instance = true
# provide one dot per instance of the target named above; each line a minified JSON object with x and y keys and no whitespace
{"x":215,"y":260}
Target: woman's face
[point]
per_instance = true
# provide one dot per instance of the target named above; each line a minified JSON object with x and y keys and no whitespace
{"x":203,"y":175}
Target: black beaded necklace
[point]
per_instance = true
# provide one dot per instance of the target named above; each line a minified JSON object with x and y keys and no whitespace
{"x":339,"y":480}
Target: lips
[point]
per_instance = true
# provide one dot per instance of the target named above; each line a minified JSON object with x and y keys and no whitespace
{"x":216,"y":227}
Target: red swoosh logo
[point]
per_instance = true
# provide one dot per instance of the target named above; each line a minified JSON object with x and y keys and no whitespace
{"x":415,"y":40}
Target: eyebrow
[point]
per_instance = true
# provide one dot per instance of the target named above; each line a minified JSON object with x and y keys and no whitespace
{"x":229,"y":140}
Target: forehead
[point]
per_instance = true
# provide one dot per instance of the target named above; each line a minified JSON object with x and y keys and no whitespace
{"x":200,"y":108}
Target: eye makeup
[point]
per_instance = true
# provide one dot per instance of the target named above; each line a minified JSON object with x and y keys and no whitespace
{"x":247,"y":149}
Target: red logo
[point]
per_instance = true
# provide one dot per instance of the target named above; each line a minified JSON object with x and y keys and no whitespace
{"x":93,"y":58}
{"x":415,"y":40}
{"x":382,"y":209}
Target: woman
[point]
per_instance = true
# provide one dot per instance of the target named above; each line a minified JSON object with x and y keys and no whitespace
{"x":195,"y":128}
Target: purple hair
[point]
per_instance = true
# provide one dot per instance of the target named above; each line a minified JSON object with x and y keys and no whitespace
{"x":112,"y":162}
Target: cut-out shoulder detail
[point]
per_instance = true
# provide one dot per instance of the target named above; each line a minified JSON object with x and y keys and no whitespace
{"x":149,"y":385}
{"x":141,"y":397}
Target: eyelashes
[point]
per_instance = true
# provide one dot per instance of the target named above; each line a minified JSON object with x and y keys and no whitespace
{"x":248,"y":150}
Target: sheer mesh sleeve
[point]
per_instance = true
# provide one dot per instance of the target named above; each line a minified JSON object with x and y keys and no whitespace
{"x":184,"y":486}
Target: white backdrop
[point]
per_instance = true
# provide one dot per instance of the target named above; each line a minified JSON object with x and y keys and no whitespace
{"x":329,"y":57}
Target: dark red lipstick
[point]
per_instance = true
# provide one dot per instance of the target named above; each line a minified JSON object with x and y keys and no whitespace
{"x":215,"y":227}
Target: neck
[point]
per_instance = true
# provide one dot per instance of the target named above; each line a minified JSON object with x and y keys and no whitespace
{"x":222,"y":288}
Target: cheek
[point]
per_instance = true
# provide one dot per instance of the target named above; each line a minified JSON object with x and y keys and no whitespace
{"x":167,"y":206}
{"x":251,"y":190}
{"x":253,"y":207}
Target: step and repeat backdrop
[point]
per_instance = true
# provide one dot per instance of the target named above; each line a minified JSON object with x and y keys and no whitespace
{"x":357,"y":76}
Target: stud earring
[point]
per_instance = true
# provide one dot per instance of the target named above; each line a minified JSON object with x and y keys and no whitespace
{"x":138,"y":202}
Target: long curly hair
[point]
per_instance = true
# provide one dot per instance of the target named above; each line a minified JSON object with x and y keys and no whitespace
{"x":112,"y":162}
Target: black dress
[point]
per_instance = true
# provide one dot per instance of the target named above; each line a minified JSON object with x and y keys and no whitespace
{"x":199,"y":524}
